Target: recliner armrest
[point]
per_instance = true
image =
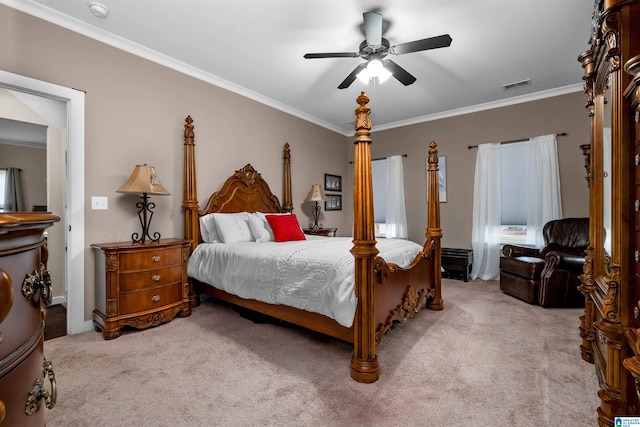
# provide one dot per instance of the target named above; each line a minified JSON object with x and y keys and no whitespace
{"x":564,"y":261}
{"x":515,"y":250}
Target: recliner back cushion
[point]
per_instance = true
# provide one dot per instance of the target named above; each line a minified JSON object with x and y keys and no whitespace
{"x":567,"y":232}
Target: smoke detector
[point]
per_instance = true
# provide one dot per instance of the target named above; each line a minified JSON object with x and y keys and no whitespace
{"x":98,"y":9}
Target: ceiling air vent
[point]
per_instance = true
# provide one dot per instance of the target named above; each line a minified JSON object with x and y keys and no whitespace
{"x":516,"y":84}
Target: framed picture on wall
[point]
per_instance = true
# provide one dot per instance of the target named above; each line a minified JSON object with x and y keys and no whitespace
{"x":332,"y":182}
{"x":442,"y":178}
{"x":333,"y":203}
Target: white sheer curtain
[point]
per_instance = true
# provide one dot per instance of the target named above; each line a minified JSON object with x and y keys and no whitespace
{"x":485,"y":234}
{"x":543,"y":190}
{"x":396,"y":217}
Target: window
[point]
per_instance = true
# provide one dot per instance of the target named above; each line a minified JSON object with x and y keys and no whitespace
{"x":514,"y":173}
{"x":3,"y":174}
{"x":379,"y":175}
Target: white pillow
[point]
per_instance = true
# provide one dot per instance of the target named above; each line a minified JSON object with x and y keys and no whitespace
{"x":233,"y":227}
{"x":208,"y":229}
{"x":260,"y":228}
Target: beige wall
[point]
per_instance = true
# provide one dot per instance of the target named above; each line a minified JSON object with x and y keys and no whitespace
{"x":135,"y":112}
{"x":559,"y":114}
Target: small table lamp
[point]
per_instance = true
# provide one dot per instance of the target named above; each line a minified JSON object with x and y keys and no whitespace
{"x":316,"y":194}
{"x":144,"y":180}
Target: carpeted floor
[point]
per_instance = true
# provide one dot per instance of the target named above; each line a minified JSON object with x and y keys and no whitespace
{"x":486,"y":360}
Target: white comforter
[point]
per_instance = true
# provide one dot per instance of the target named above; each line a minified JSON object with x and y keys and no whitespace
{"x":316,"y":274}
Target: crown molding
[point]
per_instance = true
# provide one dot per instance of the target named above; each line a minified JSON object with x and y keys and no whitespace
{"x":578,"y":87}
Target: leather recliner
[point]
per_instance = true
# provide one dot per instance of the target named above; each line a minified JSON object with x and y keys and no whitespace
{"x":548,"y":276}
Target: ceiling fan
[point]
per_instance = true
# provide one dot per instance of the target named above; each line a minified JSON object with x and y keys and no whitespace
{"x":375,"y":48}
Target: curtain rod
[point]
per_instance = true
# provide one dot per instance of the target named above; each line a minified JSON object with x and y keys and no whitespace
{"x":381,"y":158}
{"x":515,"y":140}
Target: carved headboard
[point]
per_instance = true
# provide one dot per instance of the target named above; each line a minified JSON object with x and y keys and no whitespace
{"x":244,"y":191}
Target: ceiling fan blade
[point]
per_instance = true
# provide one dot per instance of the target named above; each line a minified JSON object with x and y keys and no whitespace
{"x":373,"y":28}
{"x":424,"y":44}
{"x":398,"y":72}
{"x":351,"y":77}
{"x":332,"y":55}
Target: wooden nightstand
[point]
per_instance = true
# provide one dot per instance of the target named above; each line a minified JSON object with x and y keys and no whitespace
{"x":140,"y":285}
{"x":326,"y":232}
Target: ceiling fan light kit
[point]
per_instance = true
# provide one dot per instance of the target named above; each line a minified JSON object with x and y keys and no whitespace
{"x":374,"y":69}
{"x":375,"y":48}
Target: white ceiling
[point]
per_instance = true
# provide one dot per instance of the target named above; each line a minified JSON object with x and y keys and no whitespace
{"x":256,"y":48}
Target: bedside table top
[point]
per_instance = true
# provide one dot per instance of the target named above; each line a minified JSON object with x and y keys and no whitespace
{"x":150,"y":245}
{"x":326,"y":231}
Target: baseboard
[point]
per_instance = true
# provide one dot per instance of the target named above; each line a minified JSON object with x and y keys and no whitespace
{"x":88,"y":326}
{"x":59,"y":300}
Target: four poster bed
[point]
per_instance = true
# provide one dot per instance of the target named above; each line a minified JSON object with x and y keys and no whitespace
{"x":372,"y":296}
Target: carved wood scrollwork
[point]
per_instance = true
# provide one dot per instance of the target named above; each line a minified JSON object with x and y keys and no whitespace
{"x":412,"y":302}
{"x":111,"y":262}
{"x":383,"y":269}
{"x":586,"y":152}
{"x":363,"y":118}
{"x":610,"y":301}
{"x":587,"y":268}
{"x":610,"y":39}
{"x":112,"y":307}
{"x":247,"y":175}
{"x":154,"y":319}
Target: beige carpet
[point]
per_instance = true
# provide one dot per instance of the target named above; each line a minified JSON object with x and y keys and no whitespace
{"x":486,"y":360}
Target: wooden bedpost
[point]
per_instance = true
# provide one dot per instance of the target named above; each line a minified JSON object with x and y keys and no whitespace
{"x":190,"y":197}
{"x":364,"y":362}
{"x":434,"y":232}
{"x":287,"y":204}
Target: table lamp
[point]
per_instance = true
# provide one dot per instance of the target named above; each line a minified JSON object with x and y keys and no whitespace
{"x":316,"y":194}
{"x":144,"y":180}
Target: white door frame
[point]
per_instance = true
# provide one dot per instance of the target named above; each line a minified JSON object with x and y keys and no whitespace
{"x":74,"y":213}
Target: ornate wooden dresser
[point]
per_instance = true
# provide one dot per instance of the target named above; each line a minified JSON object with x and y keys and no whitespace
{"x":25,"y":291}
{"x":611,"y":279}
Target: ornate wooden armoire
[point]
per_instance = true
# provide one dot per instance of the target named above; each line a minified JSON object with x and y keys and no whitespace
{"x":25,"y":290}
{"x":611,"y":279}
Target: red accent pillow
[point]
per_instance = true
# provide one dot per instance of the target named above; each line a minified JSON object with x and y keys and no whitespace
{"x":285,"y":227}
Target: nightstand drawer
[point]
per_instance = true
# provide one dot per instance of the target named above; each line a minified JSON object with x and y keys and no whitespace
{"x":150,"y":259}
{"x":150,"y":299}
{"x":140,"y":280}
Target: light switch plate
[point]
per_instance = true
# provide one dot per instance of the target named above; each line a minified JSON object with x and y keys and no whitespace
{"x":99,"y":203}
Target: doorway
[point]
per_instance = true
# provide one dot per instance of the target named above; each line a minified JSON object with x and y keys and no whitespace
{"x":72,"y":213}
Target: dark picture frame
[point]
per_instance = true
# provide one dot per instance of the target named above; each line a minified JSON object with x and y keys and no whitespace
{"x":333,"y":202}
{"x":332,"y":182}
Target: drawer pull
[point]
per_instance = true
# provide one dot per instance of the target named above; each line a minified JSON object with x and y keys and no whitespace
{"x":155,"y":277}
{"x":637,"y":159}
{"x":636,"y":255}
{"x":38,"y":281}
{"x":38,"y":393}
{"x":155,"y":298}
{"x":155,"y":258}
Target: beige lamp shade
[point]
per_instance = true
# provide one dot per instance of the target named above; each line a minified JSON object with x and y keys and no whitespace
{"x":316,"y":194}
{"x":143,"y":179}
